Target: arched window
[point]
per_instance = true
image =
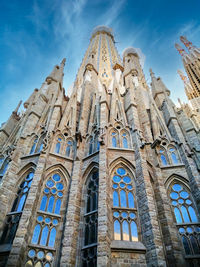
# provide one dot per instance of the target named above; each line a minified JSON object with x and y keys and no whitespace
{"x":40,"y":144}
{"x":124,"y":205}
{"x":163,"y":157}
{"x":69,"y":148}
{"x":37,"y":145}
{"x":96,"y":143}
{"x":91,"y":145}
{"x":114,"y":139}
{"x":47,"y":223}
{"x":173,"y":155}
{"x":4,"y":162}
{"x":89,"y":250}
{"x":58,"y":145}
{"x":34,"y":146}
{"x":13,"y":217}
{"x":124,"y":140}
{"x":186,"y":218}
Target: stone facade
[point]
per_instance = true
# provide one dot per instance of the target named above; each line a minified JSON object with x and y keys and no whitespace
{"x":108,"y":176}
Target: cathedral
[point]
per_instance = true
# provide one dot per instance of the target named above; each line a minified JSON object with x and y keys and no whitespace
{"x":107,"y":175}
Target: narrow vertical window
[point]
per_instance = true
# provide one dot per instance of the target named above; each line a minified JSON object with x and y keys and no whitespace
{"x":124,"y":140}
{"x":186,"y":218}
{"x":3,"y":166}
{"x":89,"y":250}
{"x":34,"y":146}
{"x":174,"y":157}
{"x":91,"y":145}
{"x":163,"y":157}
{"x":68,"y":148}
{"x":124,"y":206}
{"x":114,"y":139}
{"x":58,"y":145}
{"x":13,"y":217}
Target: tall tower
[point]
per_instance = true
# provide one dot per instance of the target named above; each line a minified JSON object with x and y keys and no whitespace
{"x":191,"y":62}
{"x":108,"y":176}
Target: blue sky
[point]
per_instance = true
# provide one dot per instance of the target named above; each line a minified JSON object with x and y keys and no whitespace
{"x":35,"y":35}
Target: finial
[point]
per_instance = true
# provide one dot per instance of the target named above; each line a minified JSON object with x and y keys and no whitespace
{"x":151,"y":72}
{"x":179,"y":101}
{"x":63,"y":61}
{"x":180,"y":49}
{"x":17,"y":108}
{"x":186,"y":42}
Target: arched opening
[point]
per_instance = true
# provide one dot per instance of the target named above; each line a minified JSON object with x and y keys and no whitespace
{"x":89,"y":249}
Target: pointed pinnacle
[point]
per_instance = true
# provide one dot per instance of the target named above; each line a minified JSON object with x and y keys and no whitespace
{"x":151,"y":73}
{"x":187,"y":43}
{"x":17,"y":108}
{"x":63,"y":61}
{"x":180,"y":49}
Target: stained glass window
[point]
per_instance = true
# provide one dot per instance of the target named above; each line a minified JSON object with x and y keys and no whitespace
{"x":173,"y":154}
{"x":12,"y":219}
{"x":47,"y":222}
{"x":124,"y":206}
{"x":124,"y":140}
{"x":58,"y":145}
{"x":34,"y":146}
{"x":69,"y":148}
{"x":186,"y":218}
{"x":89,"y":250}
{"x":163,"y":157}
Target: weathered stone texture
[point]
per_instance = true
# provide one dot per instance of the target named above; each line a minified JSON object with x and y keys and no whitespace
{"x":111,"y":120}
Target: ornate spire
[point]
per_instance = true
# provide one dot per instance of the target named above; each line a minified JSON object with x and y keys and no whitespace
{"x":63,"y":62}
{"x":180,"y":49}
{"x":186,"y":42}
{"x":183,"y":77}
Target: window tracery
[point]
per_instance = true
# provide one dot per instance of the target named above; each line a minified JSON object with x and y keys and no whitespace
{"x":124,"y":205}
{"x":168,"y":154}
{"x":89,"y":250}
{"x":42,"y":250}
{"x":63,"y":144}
{"x":120,"y":138}
{"x":186,"y":217}
{"x":13,"y":217}
{"x":37,"y":144}
{"x":92,"y":144}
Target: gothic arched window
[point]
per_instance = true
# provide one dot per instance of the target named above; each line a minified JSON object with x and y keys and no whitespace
{"x":58,"y":145}
{"x":47,"y":223}
{"x":173,"y":155}
{"x":114,"y":139}
{"x":69,"y":148}
{"x":124,"y":140}
{"x":124,"y":206}
{"x":37,"y":145}
{"x":4,"y":162}
{"x":163,"y":157}
{"x":186,"y":218}
{"x":90,"y":145}
{"x":34,"y":146}
{"x":96,"y":143}
{"x":89,"y":250}
{"x":13,"y":217}
{"x":40,"y":144}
